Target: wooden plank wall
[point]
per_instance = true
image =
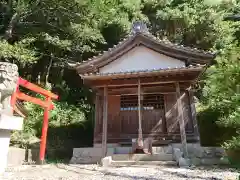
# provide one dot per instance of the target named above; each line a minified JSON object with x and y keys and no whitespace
{"x":114,"y":123}
{"x":121,"y":123}
{"x":187,"y":113}
{"x":171,"y":113}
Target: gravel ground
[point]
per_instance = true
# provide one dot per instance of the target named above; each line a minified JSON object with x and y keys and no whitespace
{"x":90,"y":172}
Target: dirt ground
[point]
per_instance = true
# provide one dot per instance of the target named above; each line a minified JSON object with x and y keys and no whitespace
{"x":95,"y":172}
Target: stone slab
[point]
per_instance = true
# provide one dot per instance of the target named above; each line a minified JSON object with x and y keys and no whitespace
{"x":162,"y":149}
{"x":184,"y":162}
{"x":196,"y":150}
{"x":177,"y":154}
{"x":11,"y":122}
{"x":16,"y":156}
{"x":4,"y":142}
{"x":148,"y":163}
{"x":214,"y":161}
{"x":196,"y":161}
{"x":143,"y":157}
{"x":89,"y":155}
{"x":123,"y":150}
{"x":106,"y":162}
{"x":110,"y":145}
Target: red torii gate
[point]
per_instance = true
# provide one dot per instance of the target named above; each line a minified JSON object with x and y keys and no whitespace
{"x":47,"y":105}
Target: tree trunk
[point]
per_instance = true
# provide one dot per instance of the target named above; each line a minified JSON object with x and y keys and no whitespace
{"x":11,"y":25}
{"x":48,"y":69}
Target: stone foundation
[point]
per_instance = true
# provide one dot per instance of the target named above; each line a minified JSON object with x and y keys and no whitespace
{"x":198,"y":155}
{"x":196,"y":150}
{"x":89,"y":155}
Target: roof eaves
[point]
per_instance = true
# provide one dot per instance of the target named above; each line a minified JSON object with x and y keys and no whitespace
{"x":143,"y":71}
{"x":178,"y":47}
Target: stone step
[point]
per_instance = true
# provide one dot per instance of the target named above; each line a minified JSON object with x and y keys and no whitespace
{"x":153,"y":163}
{"x":143,"y":157}
{"x":155,"y":150}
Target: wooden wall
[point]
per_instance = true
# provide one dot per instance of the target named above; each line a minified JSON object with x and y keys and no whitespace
{"x":124,"y":124}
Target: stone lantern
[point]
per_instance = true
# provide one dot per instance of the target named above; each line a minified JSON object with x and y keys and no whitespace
{"x":8,"y":122}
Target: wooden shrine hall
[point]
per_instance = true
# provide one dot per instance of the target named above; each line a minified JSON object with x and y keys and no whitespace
{"x":144,"y":89}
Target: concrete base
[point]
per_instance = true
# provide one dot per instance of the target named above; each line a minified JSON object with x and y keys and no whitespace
{"x":88,"y":155}
{"x":16,"y":156}
{"x":4,"y":142}
{"x":7,"y":124}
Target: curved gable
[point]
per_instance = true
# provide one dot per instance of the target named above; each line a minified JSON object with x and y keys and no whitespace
{"x":141,"y":58}
{"x":169,"y":55}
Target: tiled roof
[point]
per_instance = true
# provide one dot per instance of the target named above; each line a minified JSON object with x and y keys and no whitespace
{"x":146,"y":35}
{"x":144,"y":72}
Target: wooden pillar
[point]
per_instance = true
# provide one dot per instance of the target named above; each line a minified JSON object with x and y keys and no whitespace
{"x":105,"y":122}
{"x":181,"y":121}
{"x":193,"y":114}
{"x":96,"y":122}
{"x":140,"y":135}
{"x":164,"y":118}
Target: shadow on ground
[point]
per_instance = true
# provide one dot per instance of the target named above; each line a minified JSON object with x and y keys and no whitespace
{"x":105,"y":172}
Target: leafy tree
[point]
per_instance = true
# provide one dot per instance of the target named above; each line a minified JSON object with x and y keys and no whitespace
{"x":40,"y":36}
{"x":222,"y":90}
{"x":192,"y":23}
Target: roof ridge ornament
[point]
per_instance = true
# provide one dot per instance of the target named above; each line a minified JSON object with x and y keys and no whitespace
{"x":139,"y":26}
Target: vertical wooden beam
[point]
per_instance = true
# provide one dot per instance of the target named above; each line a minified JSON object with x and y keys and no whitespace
{"x":96,"y":122}
{"x":193,"y":114}
{"x":164,"y":119}
{"x":181,"y":121}
{"x":105,"y":122}
{"x":140,"y":135}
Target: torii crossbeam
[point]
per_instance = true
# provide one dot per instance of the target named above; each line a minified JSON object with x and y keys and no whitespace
{"x":46,"y":104}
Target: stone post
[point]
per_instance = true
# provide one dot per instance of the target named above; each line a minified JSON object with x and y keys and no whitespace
{"x":8,"y":83}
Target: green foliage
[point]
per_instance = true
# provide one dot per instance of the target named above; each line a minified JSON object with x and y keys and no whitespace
{"x":233,"y":144}
{"x":17,"y":52}
{"x":192,"y":23}
{"x":62,"y":115}
{"x":211,"y":134}
{"x":221,"y":93}
{"x":222,"y":87}
{"x":42,"y":35}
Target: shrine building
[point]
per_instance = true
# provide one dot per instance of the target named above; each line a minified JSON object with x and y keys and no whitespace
{"x":144,"y":89}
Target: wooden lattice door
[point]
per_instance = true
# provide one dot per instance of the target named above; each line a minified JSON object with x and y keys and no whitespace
{"x":152,"y":113}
